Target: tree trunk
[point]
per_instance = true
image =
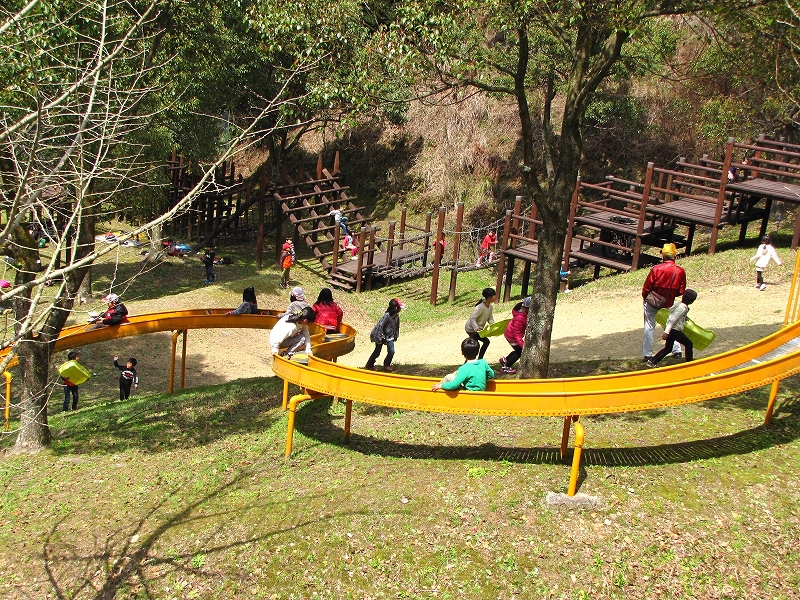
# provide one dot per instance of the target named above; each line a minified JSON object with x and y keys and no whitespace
{"x":535,"y":358}
{"x":36,"y":348}
{"x":155,"y":250}
{"x":84,"y":294}
{"x":34,"y":363}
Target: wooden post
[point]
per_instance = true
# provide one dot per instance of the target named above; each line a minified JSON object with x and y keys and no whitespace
{"x":362,"y":237}
{"x":437,"y":254}
{"x":371,"y":257}
{"x":637,"y":243}
{"x":336,"y":170}
{"x":319,"y":166}
{"x":336,"y":247}
{"x":723,"y":182}
{"x":573,"y":210}
{"x":427,"y":242}
{"x":501,"y":264}
{"x":515,"y":221}
{"x":456,"y":250}
{"x":402,"y":236}
{"x":389,"y":245}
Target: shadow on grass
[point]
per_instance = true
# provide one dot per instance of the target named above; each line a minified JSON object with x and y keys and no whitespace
{"x":187,"y":419}
{"x":136,"y":556}
{"x":180,"y":275}
{"x":315,"y":422}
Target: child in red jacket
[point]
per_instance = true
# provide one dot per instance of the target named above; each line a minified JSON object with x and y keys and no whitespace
{"x":515,"y":334}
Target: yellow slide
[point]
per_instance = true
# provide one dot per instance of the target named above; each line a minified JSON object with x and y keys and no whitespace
{"x":764,"y":362}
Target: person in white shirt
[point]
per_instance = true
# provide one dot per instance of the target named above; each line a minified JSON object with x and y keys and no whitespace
{"x":291,"y":332}
{"x":481,"y":316}
{"x":765,"y":253}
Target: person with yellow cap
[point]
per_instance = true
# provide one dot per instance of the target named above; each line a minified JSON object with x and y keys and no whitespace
{"x":665,"y":281}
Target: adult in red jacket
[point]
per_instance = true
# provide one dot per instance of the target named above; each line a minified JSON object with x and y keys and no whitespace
{"x":329,"y":314}
{"x":668,"y":280}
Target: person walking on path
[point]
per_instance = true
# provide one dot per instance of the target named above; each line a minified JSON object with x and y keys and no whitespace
{"x":673,"y":329}
{"x":515,"y":334}
{"x":765,"y":253}
{"x":386,"y":331}
{"x":127,"y":377}
{"x":481,"y":315}
{"x":664,"y":281}
{"x":286,"y":261}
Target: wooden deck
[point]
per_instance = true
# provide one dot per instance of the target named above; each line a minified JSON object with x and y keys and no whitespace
{"x":768,"y":189}
{"x":400,"y":258}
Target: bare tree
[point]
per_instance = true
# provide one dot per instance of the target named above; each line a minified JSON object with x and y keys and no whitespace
{"x":82,"y":84}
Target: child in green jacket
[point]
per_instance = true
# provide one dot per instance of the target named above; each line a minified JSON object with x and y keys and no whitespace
{"x":472,"y":375}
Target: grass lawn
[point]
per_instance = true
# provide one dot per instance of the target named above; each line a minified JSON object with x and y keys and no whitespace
{"x":188,"y":496}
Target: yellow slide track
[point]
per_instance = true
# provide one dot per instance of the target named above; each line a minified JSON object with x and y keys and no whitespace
{"x":764,"y":362}
{"x":179,"y":322}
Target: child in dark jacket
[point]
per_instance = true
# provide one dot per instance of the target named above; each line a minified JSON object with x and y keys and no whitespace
{"x":386,"y":331}
{"x":249,"y":305}
{"x":208,"y":262}
{"x":127,"y":377}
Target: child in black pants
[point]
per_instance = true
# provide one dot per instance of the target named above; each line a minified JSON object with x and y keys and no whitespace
{"x":127,"y":377}
{"x":208,"y":261}
{"x":70,"y":389}
{"x":673,"y":329}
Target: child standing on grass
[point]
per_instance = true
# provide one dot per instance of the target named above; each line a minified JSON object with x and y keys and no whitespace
{"x":515,"y":334}
{"x":386,"y":331}
{"x":286,"y":261}
{"x":208,"y":262}
{"x":472,"y":375}
{"x":480,"y":317}
{"x":673,"y":329}
{"x":765,"y":253}
{"x":127,"y":377}
{"x":70,"y":389}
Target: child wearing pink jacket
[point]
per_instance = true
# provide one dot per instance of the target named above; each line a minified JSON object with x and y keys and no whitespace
{"x":515,"y":333}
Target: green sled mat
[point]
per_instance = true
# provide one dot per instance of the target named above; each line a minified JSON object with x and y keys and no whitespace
{"x":700,"y":337}
{"x":497,"y":328}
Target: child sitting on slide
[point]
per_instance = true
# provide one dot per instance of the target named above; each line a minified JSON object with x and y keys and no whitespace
{"x":472,"y":375}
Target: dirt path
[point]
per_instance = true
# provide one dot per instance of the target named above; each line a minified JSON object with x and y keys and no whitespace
{"x":590,"y":324}
{"x":593,"y":326}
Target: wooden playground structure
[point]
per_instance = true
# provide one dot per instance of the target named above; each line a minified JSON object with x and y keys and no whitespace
{"x":612,"y":223}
